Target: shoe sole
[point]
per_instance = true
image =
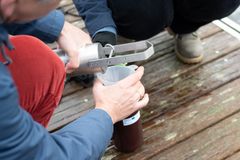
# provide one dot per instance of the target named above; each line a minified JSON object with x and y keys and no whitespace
{"x":188,"y":60}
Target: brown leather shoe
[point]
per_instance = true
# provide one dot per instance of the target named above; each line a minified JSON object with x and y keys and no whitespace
{"x":188,"y":48}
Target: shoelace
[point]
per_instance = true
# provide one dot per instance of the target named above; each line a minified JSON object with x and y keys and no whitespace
{"x":4,"y":41}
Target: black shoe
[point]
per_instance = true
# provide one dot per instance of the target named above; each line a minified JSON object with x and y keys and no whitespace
{"x":86,"y":80}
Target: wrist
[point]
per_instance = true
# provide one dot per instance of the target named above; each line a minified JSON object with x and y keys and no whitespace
{"x":108,"y":111}
{"x":63,"y":31}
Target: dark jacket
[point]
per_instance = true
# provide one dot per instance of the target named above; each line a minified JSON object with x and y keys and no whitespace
{"x":96,"y":14}
{"x":133,"y":19}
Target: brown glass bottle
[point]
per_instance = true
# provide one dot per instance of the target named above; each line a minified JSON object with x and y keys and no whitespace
{"x":128,"y":134}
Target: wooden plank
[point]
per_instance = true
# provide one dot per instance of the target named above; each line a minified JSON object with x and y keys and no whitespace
{"x":64,"y":3}
{"x":150,"y":111}
{"x":172,"y":68}
{"x":73,"y":12}
{"x":71,"y":18}
{"x":65,"y":9}
{"x":159,"y":98}
{"x":208,"y":30}
{"x":178,"y":125}
{"x":163,"y":44}
{"x":84,"y":101}
{"x":71,"y":109}
{"x":82,"y":92}
{"x":191,"y":85}
{"x":74,"y":87}
{"x":72,"y":104}
{"x":71,"y":88}
{"x":235,"y":156}
{"x":177,"y":81}
{"x":63,"y":115}
{"x":161,"y":47}
{"x":215,"y":143}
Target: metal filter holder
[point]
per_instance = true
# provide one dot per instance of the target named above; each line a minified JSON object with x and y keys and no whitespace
{"x":95,"y":58}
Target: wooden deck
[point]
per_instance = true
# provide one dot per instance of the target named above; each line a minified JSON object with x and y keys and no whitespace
{"x":194,"y":110}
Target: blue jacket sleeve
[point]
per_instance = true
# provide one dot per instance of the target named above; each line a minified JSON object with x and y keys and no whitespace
{"x":47,"y":28}
{"x":23,"y":139}
{"x":95,"y":13}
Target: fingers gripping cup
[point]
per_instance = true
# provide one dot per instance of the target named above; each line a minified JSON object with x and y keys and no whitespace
{"x":128,"y":132}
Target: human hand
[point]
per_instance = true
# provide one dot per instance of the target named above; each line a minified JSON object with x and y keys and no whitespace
{"x":123,"y":98}
{"x":71,"y":40}
{"x":105,"y":38}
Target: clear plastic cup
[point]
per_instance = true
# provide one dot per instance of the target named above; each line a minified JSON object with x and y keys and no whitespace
{"x":114,"y":74}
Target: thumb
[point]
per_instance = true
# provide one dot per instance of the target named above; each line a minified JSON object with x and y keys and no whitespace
{"x":72,"y":64}
{"x":70,"y":68}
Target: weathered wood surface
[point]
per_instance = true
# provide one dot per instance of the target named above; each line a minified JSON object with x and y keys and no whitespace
{"x":190,"y":85}
{"x":185,"y":87}
{"x":164,"y":58}
{"x":187,"y":120}
{"x":194,"y":110}
{"x":235,"y":156}
{"x":216,"y":143}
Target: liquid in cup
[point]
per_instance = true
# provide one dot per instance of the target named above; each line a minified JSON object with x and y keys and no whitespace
{"x":128,"y":134}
